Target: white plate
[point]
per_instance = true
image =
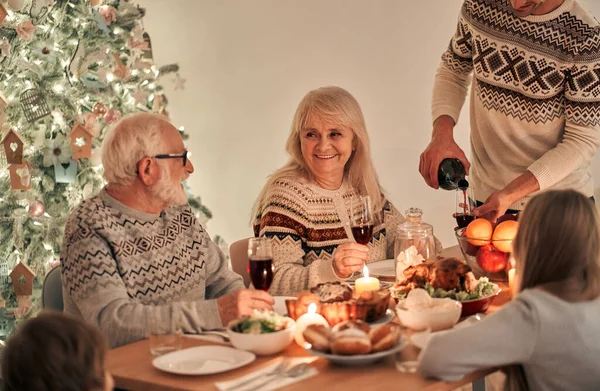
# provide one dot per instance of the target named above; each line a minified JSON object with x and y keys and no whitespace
{"x":360,"y":359}
{"x":385,"y":268}
{"x":421,"y":338}
{"x":279,"y":306}
{"x":203,"y":360}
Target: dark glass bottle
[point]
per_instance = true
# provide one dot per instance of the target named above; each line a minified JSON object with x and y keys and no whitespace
{"x":451,"y":175}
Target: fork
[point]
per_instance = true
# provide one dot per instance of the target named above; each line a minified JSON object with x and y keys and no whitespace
{"x":279,"y":369}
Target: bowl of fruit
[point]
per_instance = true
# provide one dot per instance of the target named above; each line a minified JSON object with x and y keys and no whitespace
{"x":487,"y":247}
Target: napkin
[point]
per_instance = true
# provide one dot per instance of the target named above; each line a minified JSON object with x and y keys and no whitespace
{"x":275,"y":383}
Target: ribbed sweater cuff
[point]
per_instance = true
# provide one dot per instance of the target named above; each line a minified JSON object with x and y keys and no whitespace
{"x":438,"y":111}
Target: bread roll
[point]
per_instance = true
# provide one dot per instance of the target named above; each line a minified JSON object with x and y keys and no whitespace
{"x":350,"y":342}
{"x":318,"y":336}
{"x":384,"y":337}
{"x":352,"y":324}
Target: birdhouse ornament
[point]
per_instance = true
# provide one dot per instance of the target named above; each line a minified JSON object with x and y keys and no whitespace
{"x":81,"y":142}
{"x":20,"y":176}
{"x":22,"y":279}
{"x":3,"y":13}
{"x":13,"y":147}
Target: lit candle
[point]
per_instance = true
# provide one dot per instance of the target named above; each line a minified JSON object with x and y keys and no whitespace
{"x":366,"y":283}
{"x":311,"y":317}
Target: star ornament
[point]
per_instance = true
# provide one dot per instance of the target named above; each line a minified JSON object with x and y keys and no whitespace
{"x":141,"y":97}
{"x":179,"y":83}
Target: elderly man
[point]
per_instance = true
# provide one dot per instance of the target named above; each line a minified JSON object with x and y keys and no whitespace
{"x":535,"y":100}
{"x":136,"y":250}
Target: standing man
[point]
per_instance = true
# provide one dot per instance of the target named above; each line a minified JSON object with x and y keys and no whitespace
{"x":535,"y":100}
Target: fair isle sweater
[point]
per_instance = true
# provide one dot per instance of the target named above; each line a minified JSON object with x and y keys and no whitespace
{"x":556,"y":342}
{"x":306,"y":224}
{"x":535,"y":94}
{"x":121,"y":266}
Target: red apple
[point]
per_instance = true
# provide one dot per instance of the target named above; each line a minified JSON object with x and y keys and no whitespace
{"x":490,"y":259}
{"x":506,"y":217}
{"x":467,"y":246}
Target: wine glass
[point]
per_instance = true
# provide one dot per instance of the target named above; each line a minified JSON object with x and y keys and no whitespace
{"x":361,"y":219}
{"x":260,"y":262}
{"x":465,"y":204}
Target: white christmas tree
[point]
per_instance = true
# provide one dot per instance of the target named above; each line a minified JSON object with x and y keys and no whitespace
{"x":68,"y":70}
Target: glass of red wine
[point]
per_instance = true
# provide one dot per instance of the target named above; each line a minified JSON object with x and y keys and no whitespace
{"x":361,"y":220}
{"x":260,"y":262}
{"x":465,"y":204}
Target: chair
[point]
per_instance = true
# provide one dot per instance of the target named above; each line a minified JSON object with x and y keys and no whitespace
{"x":238,"y":254}
{"x":52,"y":290}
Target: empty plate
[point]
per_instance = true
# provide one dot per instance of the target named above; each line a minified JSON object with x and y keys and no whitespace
{"x":203,"y":360}
{"x":383,"y":269}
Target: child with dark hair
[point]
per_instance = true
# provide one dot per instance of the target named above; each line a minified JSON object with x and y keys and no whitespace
{"x":55,"y":352}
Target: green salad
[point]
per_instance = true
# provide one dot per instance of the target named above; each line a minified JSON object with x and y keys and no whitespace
{"x":261,"y":322}
{"x":484,"y":288}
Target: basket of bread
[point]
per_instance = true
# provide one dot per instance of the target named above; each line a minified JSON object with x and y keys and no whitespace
{"x":353,"y":342}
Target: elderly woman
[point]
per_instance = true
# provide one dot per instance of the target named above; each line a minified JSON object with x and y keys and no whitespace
{"x":304,"y":205}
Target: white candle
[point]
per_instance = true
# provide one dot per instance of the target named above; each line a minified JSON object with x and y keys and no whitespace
{"x":366,"y":283}
{"x":311,"y":317}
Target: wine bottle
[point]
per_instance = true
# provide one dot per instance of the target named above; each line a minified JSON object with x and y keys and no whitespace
{"x":451,"y":175}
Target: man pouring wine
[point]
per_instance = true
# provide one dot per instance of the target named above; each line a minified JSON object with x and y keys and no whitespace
{"x":535,"y":100}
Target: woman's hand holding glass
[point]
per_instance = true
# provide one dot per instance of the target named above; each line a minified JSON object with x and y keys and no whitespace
{"x":349,"y":258}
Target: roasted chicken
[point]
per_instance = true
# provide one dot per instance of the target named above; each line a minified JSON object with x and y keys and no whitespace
{"x":447,"y":274}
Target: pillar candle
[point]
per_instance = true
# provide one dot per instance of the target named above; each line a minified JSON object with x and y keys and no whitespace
{"x":366,"y":283}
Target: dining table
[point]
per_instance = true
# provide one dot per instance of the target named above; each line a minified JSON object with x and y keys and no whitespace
{"x":132,"y":369}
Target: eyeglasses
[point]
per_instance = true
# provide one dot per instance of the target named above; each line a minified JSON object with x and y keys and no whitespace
{"x":174,"y":156}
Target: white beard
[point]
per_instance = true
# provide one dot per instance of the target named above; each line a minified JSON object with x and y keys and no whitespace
{"x":168,"y":192}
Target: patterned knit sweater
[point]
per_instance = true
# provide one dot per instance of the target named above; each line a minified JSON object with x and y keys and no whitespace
{"x":306,"y":224}
{"x":535,"y":98}
{"x":120,"y":266}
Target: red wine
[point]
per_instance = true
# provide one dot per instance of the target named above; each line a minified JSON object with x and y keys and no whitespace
{"x":464,"y":219}
{"x":261,"y":272}
{"x":362,"y":233}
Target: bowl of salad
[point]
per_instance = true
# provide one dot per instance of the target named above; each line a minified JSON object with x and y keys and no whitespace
{"x":263,"y":333}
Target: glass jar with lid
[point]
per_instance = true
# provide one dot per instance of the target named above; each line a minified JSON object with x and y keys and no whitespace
{"x":414,"y":243}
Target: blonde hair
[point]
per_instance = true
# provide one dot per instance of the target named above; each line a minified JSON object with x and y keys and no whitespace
{"x":337,"y":106}
{"x":558,"y":241}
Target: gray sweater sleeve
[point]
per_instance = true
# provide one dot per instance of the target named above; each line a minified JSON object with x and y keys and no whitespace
{"x":92,"y":280}
{"x":503,"y":338}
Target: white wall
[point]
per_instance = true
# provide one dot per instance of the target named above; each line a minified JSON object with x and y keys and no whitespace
{"x":249,"y":62}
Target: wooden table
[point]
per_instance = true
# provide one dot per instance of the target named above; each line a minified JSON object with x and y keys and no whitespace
{"x":132,"y":369}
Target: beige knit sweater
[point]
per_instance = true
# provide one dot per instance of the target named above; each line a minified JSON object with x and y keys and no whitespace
{"x":535,"y":97}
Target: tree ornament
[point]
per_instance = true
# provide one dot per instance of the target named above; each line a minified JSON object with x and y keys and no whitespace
{"x":112,"y":116}
{"x":34,"y":105}
{"x":39,"y":9}
{"x":81,"y":142}
{"x":15,"y":5}
{"x":13,"y":147}
{"x":22,"y":279}
{"x":36,"y":208}
{"x":3,"y":13}
{"x":56,"y":151}
{"x":65,"y":172}
{"x":99,"y":109}
{"x":20,"y":176}
{"x":95,"y":3}
{"x":141,"y":97}
{"x":147,"y":52}
{"x":179,"y":82}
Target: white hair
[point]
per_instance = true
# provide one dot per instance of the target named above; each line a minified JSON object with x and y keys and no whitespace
{"x":133,"y":138}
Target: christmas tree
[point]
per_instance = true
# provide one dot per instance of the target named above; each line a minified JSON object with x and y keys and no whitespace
{"x":68,"y":70}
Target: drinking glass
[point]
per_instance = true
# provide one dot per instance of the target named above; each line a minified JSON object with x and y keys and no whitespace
{"x":361,"y":219}
{"x":260,"y":262}
{"x":163,"y":333}
{"x":465,"y":204}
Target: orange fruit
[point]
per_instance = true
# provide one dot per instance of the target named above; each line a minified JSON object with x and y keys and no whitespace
{"x":479,"y":232}
{"x":504,"y":234}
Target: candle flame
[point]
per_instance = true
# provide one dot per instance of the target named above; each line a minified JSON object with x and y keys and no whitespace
{"x":365,"y":271}
{"x":312,"y":308}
